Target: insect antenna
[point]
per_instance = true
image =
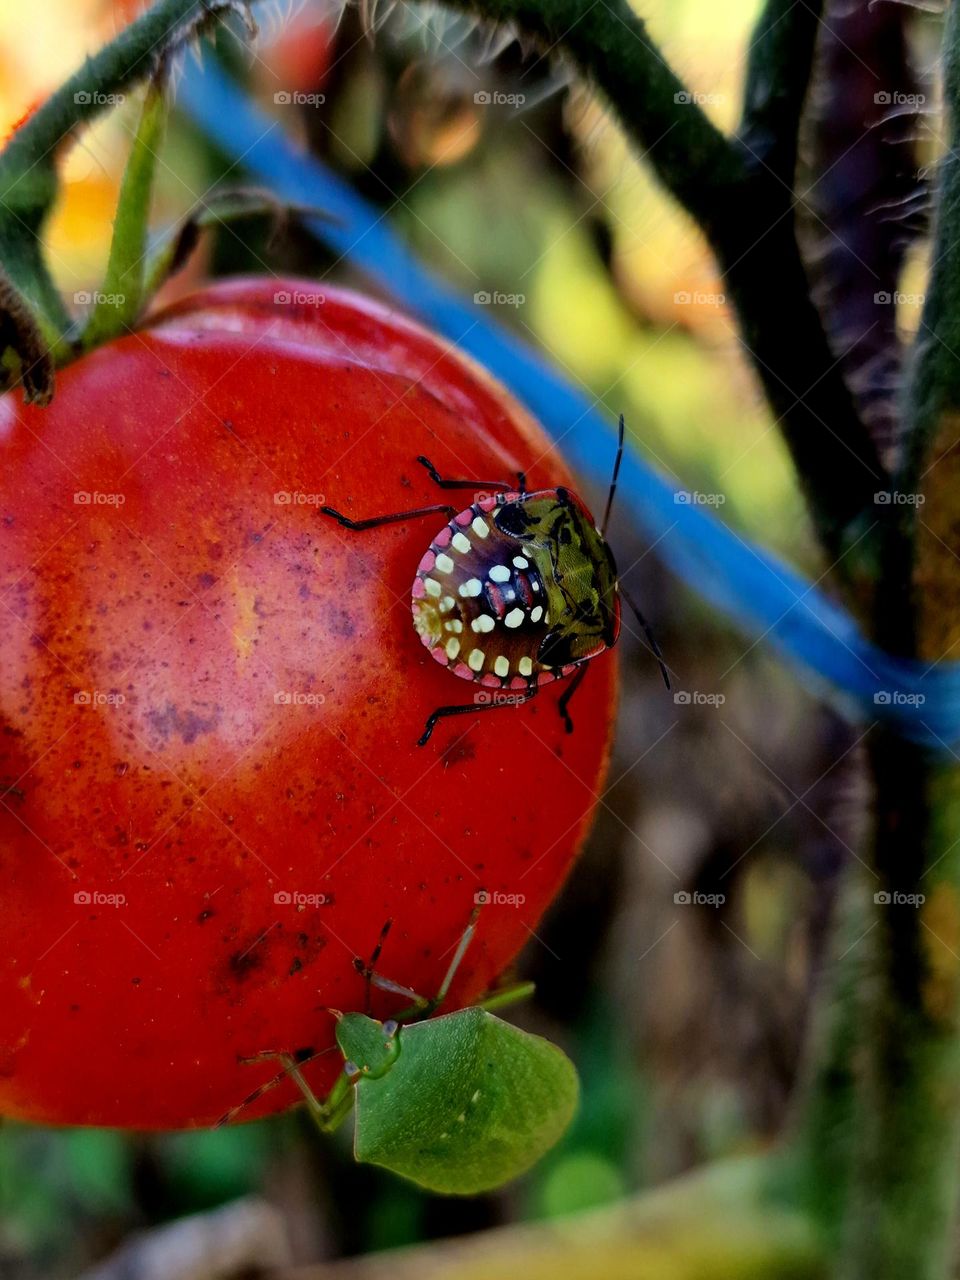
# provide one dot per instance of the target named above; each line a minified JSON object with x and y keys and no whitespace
{"x":613,"y":482}
{"x":651,"y":638}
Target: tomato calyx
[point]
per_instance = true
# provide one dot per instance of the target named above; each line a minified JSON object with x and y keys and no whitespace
{"x":38,"y":333}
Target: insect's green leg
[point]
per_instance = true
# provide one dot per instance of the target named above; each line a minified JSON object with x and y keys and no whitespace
{"x":332,"y":1112}
{"x":424,"y":1008}
{"x":507,"y":996}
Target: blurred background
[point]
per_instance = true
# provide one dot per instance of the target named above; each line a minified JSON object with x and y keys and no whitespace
{"x":685,"y":1020}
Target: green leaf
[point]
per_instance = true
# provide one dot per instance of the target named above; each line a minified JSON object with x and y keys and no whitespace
{"x":470,"y":1104}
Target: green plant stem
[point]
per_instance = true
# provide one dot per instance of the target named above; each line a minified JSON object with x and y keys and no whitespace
{"x":740,"y":192}
{"x":28,"y":162}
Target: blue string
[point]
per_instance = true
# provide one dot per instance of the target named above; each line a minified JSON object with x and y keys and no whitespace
{"x":768,"y":599}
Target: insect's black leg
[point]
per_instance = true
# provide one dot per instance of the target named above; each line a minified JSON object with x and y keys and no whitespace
{"x":437,"y":479}
{"x":301,"y":1058}
{"x":366,"y":971}
{"x":522,"y":482}
{"x":651,"y":638}
{"x":395,"y":517}
{"x":569,"y":691}
{"x":442,"y":712}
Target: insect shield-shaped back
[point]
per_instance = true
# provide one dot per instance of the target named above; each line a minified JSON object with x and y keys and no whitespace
{"x":470,"y":1103}
{"x":517,"y":590}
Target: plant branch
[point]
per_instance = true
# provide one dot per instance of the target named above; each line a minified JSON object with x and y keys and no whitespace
{"x":740,"y":191}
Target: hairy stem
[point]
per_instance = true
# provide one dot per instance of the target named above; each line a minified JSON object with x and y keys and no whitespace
{"x":740,"y":191}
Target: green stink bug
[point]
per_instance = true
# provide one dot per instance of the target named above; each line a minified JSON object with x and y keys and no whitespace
{"x":460,"y":1103}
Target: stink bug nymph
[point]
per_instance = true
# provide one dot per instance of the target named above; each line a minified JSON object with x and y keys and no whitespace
{"x":460,"y":1103}
{"x":516,"y":591}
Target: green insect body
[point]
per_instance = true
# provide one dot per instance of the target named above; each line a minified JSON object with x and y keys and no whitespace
{"x":459,"y":1104}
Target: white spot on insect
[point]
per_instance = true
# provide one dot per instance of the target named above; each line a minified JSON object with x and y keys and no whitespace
{"x":499,"y":573}
{"x":501,"y":666}
{"x":536,"y":613}
{"x":472,"y":587}
{"x":480,"y":527}
{"x":432,"y":587}
{"x":443,"y":564}
{"x":476,"y":659}
{"x":446,"y":604}
{"x":525,"y":666}
{"x":454,"y":625}
{"x":521,"y":562}
{"x":483,"y":623}
{"x":514,"y":618}
{"x":460,"y":543}
{"x":535,"y":585}
{"x":453,"y":647}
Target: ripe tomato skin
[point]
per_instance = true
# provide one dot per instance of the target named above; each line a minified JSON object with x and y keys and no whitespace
{"x":182,"y":783}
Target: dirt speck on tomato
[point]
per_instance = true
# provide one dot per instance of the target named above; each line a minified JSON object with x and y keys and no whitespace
{"x":212,"y":797}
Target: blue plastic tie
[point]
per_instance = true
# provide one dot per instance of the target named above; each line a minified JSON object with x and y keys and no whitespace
{"x":767,"y":598}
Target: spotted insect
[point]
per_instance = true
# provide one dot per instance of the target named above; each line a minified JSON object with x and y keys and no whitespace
{"x":516,"y":591}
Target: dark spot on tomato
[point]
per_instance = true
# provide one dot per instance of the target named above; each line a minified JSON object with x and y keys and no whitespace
{"x":187,"y":725}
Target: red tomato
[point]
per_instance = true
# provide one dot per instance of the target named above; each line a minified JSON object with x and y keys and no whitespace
{"x":212,"y":696}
